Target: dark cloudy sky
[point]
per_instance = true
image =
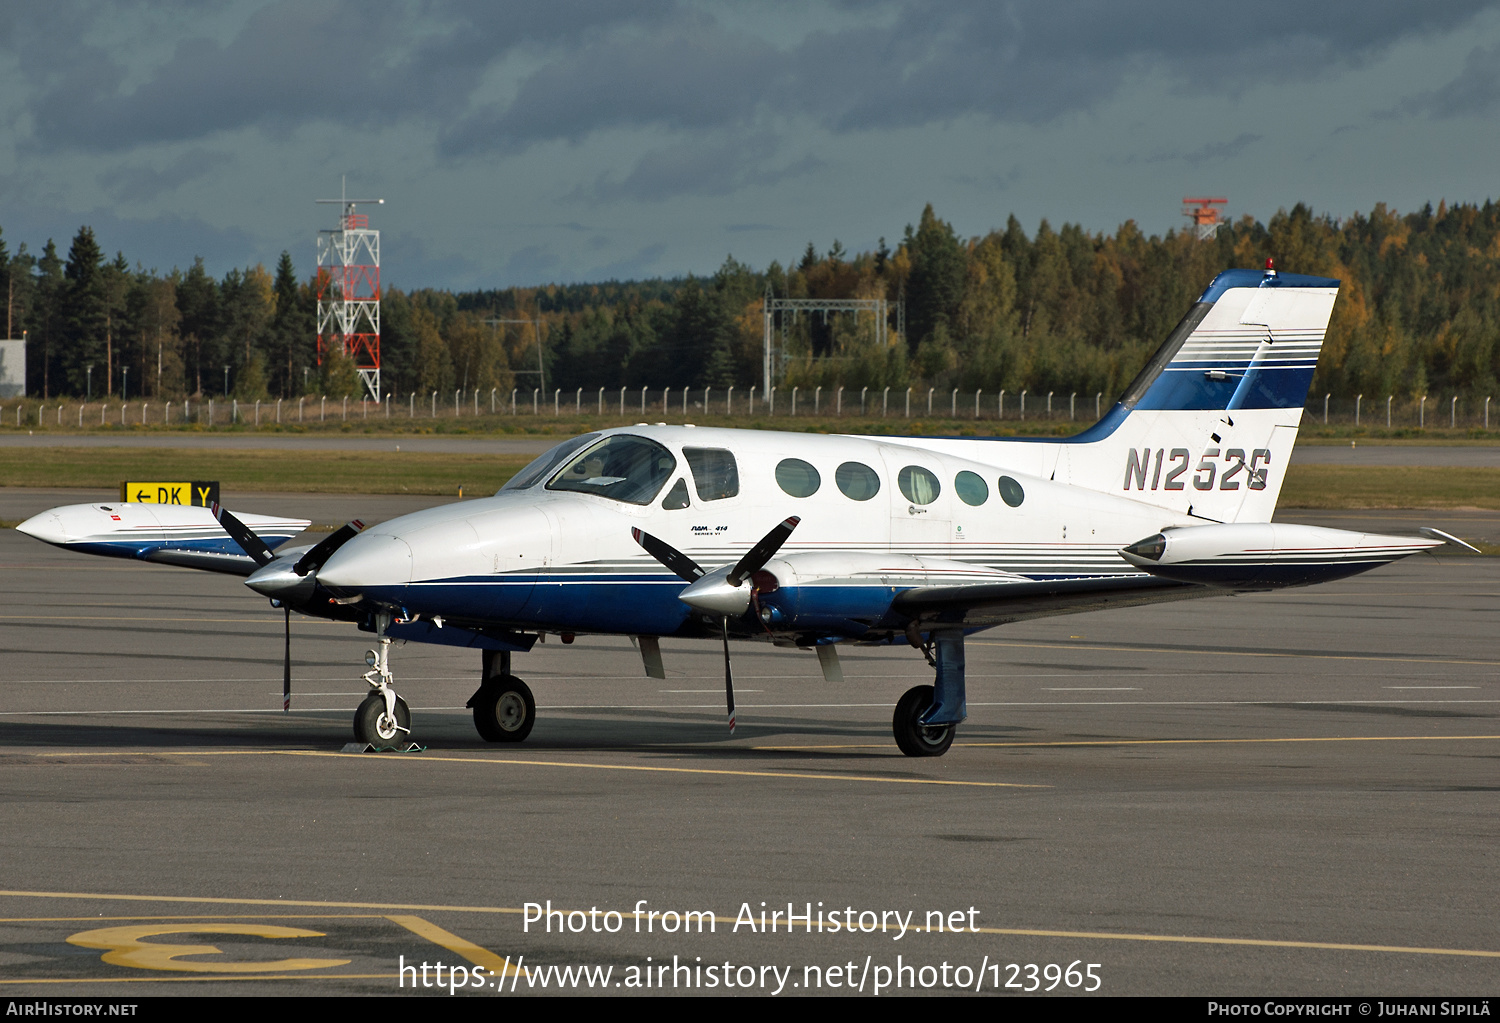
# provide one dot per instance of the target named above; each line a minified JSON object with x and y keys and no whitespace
{"x":527,"y":142}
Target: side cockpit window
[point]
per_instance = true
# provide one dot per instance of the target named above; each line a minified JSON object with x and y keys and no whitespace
{"x":621,"y":467}
{"x":677,"y":497}
{"x":714,"y":472}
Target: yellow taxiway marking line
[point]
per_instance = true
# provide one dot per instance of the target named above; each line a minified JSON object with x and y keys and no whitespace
{"x":729,"y":921}
{"x":129,"y":618}
{"x":475,"y":954}
{"x":700,"y":770}
{"x":1252,"y":942}
{"x":218,"y":901}
{"x":421,"y":758}
{"x":1168,"y":742}
{"x":200,"y":977}
{"x":1087,"y":647}
{"x":195,"y":916}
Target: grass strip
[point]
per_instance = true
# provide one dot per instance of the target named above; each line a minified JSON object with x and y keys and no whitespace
{"x":256,"y":469}
{"x":406,"y":472}
{"x":1354,"y":486}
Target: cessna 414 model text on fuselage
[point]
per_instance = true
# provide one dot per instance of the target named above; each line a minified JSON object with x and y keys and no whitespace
{"x":653,"y":531}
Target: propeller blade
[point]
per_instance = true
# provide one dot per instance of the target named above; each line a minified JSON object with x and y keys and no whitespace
{"x":240,"y":533}
{"x":683,"y":566}
{"x":728,"y":677}
{"x":286,"y":665}
{"x":314,"y":559}
{"x":756,"y":558}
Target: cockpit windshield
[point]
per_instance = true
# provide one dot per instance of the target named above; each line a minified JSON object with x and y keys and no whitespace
{"x":621,"y":467}
{"x":538,"y":469}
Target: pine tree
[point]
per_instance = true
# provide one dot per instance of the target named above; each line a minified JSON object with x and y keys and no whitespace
{"x":936,"y":286}
{"x":84,"y":315}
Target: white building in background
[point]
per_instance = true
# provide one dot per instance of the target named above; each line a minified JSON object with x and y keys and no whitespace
{"x":13,"y":369}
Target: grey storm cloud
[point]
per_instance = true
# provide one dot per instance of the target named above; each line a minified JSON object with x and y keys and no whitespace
{"x":667,"y":63}
{"x":917,"y":62}
{"x":691,"y":76}
{"x":1475,"y":91}
{"x":291,"y":63}
{"x":144,"y":183}
{"x":699,"y":168}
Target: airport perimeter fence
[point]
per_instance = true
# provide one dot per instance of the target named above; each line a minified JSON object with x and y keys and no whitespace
{"x":679,"y":404}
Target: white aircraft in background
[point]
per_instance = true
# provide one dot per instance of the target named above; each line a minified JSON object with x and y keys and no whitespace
{"x":652,"y":531}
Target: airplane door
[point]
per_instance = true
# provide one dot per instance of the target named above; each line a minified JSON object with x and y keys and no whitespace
{"x":921,"y":522}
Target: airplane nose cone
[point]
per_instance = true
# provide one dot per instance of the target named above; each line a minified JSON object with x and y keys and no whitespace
{"x":370,"y":561}
{"x":47,"y":527}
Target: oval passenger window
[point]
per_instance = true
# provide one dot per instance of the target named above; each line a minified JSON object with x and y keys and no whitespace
{"x":971,"y":488}
{"x":918,"y":485}
{"x":857,"y":481}
{"x":1011,"y":492}
{"x":797,"y":478}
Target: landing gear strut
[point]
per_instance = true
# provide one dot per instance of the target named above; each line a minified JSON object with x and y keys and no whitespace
{"x":504,"y":709}
{"x":383,"y":717}
{"x":927,"y":716}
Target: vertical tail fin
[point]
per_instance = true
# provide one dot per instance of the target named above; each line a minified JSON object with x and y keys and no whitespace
{"x":1207,"y":427}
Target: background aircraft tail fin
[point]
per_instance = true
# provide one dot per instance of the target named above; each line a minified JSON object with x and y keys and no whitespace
{"x":1207,"y":427}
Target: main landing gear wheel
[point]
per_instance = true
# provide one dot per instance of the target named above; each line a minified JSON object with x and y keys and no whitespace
{"x":374,"y":726}
{"x":917,"y":740}
{"x":504,"y":710}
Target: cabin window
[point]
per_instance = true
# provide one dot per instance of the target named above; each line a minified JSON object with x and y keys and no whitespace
{"x":542,"y":465}
{"x":918,"y":485}
{"x":971,"y":488}
{"x":620,"y":467}
{"x":1011,"y":492}
{"x":857,"y":481}
{"x":797,"y":478}
{"x":677,"y":497}
{"x":714,"y":472}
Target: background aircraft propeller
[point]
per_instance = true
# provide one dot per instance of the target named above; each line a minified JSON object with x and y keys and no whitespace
{"x":240,"y":533}
{"x":313,"y":560}
{"x":689,"y":571}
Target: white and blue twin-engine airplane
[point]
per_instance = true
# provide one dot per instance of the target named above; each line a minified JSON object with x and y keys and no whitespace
{"x":652,"y":531}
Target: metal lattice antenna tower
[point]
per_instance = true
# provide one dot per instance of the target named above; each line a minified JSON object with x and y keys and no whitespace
{"x":349,"y":289}
{"x":1206,"y":219}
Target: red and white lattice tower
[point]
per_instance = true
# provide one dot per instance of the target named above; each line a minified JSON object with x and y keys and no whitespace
{"x":349,"y":290}
{"x":1205,"y":217}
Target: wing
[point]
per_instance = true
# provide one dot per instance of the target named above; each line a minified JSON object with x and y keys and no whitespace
{"x":1179,"y":562}
{"x":982,"y":605}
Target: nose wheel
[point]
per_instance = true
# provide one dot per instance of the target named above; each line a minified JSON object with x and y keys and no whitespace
{"x":383,"y":718}
{"x":379,"y":727}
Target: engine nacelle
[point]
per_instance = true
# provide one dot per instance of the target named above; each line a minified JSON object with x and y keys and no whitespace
{"x":848,"y":593}
{"x":1265,"y":555}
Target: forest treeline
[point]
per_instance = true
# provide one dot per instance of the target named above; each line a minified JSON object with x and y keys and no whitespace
{"x":1055,"y":310}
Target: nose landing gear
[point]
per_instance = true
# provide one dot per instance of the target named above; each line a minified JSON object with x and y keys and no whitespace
{"x":382,"y":717}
